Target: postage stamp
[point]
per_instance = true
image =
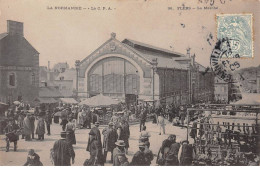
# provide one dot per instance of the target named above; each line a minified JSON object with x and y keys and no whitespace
{"x":238,"y":29}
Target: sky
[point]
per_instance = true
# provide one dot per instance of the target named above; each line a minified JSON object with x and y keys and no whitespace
{"x":69,"y":35}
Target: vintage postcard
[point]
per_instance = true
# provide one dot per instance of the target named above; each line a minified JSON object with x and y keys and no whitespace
{"x":129,"y":83}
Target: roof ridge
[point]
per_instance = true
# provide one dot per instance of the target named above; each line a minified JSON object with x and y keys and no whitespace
{"x":153,"y":47}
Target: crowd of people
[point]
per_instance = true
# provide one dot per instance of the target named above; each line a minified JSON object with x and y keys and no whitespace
{"x":22,"y":120}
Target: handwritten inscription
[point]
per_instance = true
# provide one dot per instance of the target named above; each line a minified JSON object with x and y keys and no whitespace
{"x":212,"y":2}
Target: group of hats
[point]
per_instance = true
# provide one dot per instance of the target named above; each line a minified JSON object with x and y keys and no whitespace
{"x":110,"y":123}
{"x":121,"y":143}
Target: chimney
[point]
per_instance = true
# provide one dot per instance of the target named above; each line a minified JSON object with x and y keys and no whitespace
{"x":48,"y":65}
{"x":188,"y":51}
{"x":14,"y":28}
{"x":193,"y":59}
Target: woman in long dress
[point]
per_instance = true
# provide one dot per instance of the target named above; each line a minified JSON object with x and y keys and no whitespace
{"x":40,"y":129}
{"x":70,"y":129}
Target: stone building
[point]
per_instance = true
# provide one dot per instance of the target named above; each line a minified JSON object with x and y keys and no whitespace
{"x":221,"y":90}
{"x":131,"y":69}
{"x":19,"y":65}
{"x":64,"y":81}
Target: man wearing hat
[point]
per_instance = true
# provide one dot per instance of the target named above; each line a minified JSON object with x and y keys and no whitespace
{"x":124,"y":133}
{"x":166,"y":144}
{"x":110,"y":137}
{"x":10,"y":132}
{"x":119,"y":157}
{"x":139,"y":157}
{"x":63,"y":151}
{"x":95,"y":149}
{"x":48,"y":120}
{"x":143,"y":116}
{"x":185,"y":154}
{"x":64,"y":119}
{"x":173,"y":153}
{"x":182,"y":115}
{"x":88,"y":117}
{"x":97,"y":132}
{"x":148,"y":154}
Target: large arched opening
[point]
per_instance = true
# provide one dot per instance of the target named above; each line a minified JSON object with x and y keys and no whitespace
{"x":113,"y":76}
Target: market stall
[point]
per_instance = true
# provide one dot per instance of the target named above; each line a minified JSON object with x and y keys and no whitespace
{"x":68,"y":100}
{"x":99,"y":101}
{"x":223,"y":136}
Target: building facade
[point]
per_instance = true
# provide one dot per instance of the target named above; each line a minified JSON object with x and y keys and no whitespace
{"x":64,"y":81}
{"x":19,"y":66}
{"x":221,"y":91}
{"x":131,"y":69}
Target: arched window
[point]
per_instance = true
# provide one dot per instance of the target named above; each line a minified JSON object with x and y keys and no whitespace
{"x":11,"y":79}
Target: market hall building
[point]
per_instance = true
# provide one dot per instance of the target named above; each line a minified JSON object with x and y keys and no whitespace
{"x":133,"y":70}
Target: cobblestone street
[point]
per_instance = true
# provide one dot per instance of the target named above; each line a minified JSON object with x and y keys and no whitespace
{"x":42,"y":148}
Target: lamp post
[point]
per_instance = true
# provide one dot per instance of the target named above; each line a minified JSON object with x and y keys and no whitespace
{"x":154,"y":66}
{"x":77,"y":63}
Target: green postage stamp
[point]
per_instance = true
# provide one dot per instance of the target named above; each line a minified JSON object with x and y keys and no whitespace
{"x":237,"y":32}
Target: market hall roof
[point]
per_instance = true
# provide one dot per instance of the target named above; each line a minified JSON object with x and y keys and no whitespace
{"x":165,"y":57}
{"x":147,"y":47}
{"x":143,"y":54}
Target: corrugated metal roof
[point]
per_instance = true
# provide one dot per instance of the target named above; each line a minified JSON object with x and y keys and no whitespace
{"x":153,"y":47}
{"x":168,"y":62}
{"x":176,"y":60}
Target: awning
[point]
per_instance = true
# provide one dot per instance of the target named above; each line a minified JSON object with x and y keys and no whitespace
{"x":45,"y":100}
{"x":68,"y":100}
{"x":249,"y":98}
{"x":99,"y":100}
{"x":3,"y":104}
